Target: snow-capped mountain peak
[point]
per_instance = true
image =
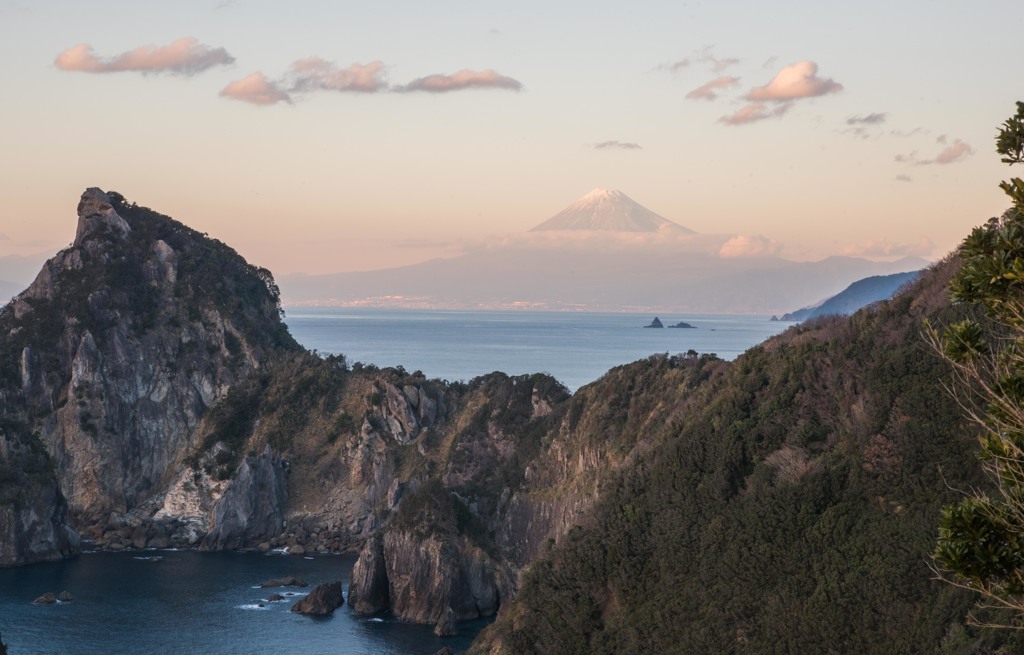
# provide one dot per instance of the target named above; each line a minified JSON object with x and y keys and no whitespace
{"x":606,"y":209}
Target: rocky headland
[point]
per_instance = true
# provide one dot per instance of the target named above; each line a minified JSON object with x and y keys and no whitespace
{"x":151,"y":396}
{"x":154,"y":398}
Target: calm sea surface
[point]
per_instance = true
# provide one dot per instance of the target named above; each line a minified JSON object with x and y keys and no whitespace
{"x":576,"y":348}
{"x":191,"y":602}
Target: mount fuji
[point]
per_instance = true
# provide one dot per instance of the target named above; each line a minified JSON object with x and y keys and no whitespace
{"x":602,"y":209}
{"x":604,"y":252}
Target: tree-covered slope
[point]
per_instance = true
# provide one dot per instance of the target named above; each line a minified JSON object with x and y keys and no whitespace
{"x":792,"y":510}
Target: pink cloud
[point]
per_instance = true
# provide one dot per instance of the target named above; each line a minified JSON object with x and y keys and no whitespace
{"x":885,"y":248}
{"x":709,"y":90}
{"x":951,"y":154}
{"x":255,"y":89}
{"x":957,"y":151}
{"x":463,"y":79}
{"x":797,"y":81}
{"x":749,"y":246}
{"x":185,"y":56}
{"x":316,"y":74}
{"x":754,"y":112}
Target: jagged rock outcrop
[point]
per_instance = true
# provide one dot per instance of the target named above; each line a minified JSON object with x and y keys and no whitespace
{"x":446,"y":625}
{"x":252,"y":508}
{"x":119,"y":347}
{"x":33,"y":513}
{"x":368,"y":588}
{"x":321,"y":601}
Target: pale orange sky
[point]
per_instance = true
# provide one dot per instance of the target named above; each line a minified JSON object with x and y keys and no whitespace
{"x":416,"y":130}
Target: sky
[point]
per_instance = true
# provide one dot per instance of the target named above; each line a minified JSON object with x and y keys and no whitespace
{"x":321,"y":136}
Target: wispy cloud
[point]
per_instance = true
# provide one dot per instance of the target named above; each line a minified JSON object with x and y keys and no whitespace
{"x":256,"y":89}
{"x":702,"y":56}
{"x":754,"y":112}
{"x":462,"y":80}
{"x":316,"y":74}
{"x":885,"y":248}
{"x":749,"y":245}
{"x":904,"y":178}
{"x":860,"y":126}
{"x":675,"y":66}
{"x":710,"y":90}
{"x":954,"y":152}
{"x":617,"y":145}
{"x":908,"y":133}
{"x":185,"y":56}
{"x":868,"y":119}
{"x":794,"y":82}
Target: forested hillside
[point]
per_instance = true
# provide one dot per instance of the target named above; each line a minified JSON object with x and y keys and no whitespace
{"x":793,"y":510}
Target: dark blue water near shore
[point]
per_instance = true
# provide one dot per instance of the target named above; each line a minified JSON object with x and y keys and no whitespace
{"x":189,"y":602}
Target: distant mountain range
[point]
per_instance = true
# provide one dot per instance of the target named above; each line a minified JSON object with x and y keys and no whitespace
{"x":604,"y":252}
{"x":859,"y":294}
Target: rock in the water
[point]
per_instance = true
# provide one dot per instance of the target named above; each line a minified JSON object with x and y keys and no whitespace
{"x":290,"y":581}
{"x":656,"y":323}
{"x":447,"y":650}
{"x":297,"y":549}
{"x":446,"y":626}
{"x":46,"y":599}
{"x":3,"y":649}
{"x":322,"y":601}
{"x":65,"y":597}
{"x":368,"y":584}
{"x":273,"y":598}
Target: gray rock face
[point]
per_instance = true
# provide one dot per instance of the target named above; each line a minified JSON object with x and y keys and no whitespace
{"x":252,"y":508}
{"x":368,"y":590}
{"x":96,"y":215}
{"x":120,"y":350}
{"x":33,"y":513}
{"x":322,"y":601}
{"x":424,"y":578}
{"x":446,"y":625}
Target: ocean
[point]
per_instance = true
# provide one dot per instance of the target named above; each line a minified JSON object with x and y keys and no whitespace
{"x":575,"y":347}
{"x":185,"y":602}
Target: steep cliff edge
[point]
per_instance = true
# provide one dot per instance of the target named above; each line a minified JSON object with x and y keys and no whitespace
{"x":120,"y":345}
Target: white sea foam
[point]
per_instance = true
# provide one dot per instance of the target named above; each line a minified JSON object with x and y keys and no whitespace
{"x":251,"y":606}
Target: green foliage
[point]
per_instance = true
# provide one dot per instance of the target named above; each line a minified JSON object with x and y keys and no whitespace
{"x":1010,"y":140}
{"x":981,"y":537}
{"x":787,"y":506}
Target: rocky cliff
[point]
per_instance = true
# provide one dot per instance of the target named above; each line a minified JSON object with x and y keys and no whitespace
{"x":150,"y":382}
{"x":120,"y":345}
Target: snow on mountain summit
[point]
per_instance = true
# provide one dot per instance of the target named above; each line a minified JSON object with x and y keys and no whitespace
{"x":605,"y":209}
